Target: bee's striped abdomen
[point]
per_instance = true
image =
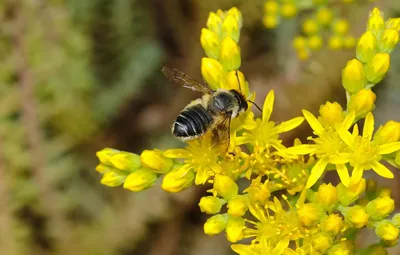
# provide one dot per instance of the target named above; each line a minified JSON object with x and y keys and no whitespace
{"x":192,"y":122}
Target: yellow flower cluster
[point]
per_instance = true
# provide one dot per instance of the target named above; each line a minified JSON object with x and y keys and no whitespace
{"x":324,"y":18}
{"x":285,"y":208}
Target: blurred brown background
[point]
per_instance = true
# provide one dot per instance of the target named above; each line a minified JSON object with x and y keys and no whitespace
{"x":78,"y":76}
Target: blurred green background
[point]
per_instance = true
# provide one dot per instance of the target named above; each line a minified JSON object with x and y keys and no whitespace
{"x":80,"y":75}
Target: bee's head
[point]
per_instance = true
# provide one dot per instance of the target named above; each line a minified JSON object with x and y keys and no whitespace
{"x":242,"y":102}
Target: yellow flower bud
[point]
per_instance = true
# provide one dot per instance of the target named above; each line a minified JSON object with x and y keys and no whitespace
{"x":113,"y":178}
{"x":210,"y":43}
{"x":389,"y":40}
{"x":233,"y":83}
{"x":125,"y":161}
{"x":299,"y":42}
{"x":104,"y":168}
{"x":140,"y":180}
{"x":341,"y":27}
{"x":310,"y":214}
{"x":375,"y":23}
{"x":327,"y":195}
{"x":348,"y":195}
{"x":105,"y":155}
{"x":332,"y":224}
{"x":271,"y":7}
{"x":212,"y":72}
{"x":388,"y":133}
{"x":322,"y":241}
{"x":270,"y":21}
{"x":214,"y":23}
{"x":215,"y":224}
{"x":211,"y":204}
{"x":288,"y":10}
{"x":385,"y":230}
{"x":353,"y":77}
{"x":237,"y":205}
{"x":377,"y":68}
{"x":366,"y":47}
{"x":349,"y":41}
{"x":310,"y":27}
{"x":231,"y":28}
{"x":396,"y":220}
{"x":315,"y":42}
{"x":339,"y":249}
{"x":230,"y":54}
{"x":380,"y":207}
{"x":393,"y":23}
{"x":331,"y":113}
{"x":235,"y":229}
{"x":324,"y":16}
{"x":356,"y":215}
{"x":362,"y":102}
{"x":234,"y":12}
{"x":335,"y":42}
{"x":225,"y":186}
{"x":178,"y":179}
{"x":156,"y":161}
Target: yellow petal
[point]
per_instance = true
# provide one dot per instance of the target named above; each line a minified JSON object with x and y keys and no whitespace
{"x":244,"y":139}
{"x":368,"y":126}
{"x":382,"y":170}
{"x":281,"y":246}
{"x":348,"y":121}
{"x":289,"y":125}
{"x":177,"y":153}
{"x":356,"y":132}
{"x":302,"y":149}
{"x":243,"y":249}
{"x":268,"y":106}
{"x":345,"y":135}
{"x":314,"y":123}
{"x":356,"y":174}
{"x":389,"y":148}
{"x":341,"y":158}
{"x":317,"y":172}
{"x":343,"y":174}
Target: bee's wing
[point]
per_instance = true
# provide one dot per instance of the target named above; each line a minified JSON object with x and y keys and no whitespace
{"x":220,"y":134}
{"x":182,"y":79}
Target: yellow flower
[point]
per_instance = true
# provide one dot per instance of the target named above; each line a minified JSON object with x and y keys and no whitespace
{"x":393,"y":23}
{"x":388,"y":133}
{"x":348,"y":195}
{"x":214,"y":23}
{"x":366,"y":47}
{"x":377,"y":68}
{"x":231,"y":27}
{"x":375,"y":22}
{"x":155,"y":160}
{"x":341,"y":27}
{"x":271,"y":7}
{"x":315,"y":42}
{"x":270,"y":21}
{"x":356,"y":215}
{"x":210,"y":42}
{"x":324,"y":16}
{"x":230,"y":54}
{"x":310,"y":26}
{"x":211,"y":204}
{"x":322,"y":241}
{"x":349,"y":41}
{"x":335,"y":42}
{"x":212,"y":72}
{"x":234,"y":83}
{"x":310,"y":213}
{"x":327,"y":195}
{"x":364,"y":152}
{"x":215,"y":224}
{"x":361,"y":103}
{"x":330,"y":113}
{"x":237,"y":205}
{"x":332,"y":224}
{"x":288,"y":10}
{"x":140,"y":180}
{"x":380,"y":207}
{"x":235,"y":229}
{"x":113,"y":178}
{"x":387,"y":231}
{"x":389,"y":40}
{"x":353,"y":77}
{"x":178,"y":179}
{"x":326,"y":147}
{"x":225,"y":186}
{"x":299,"y":42}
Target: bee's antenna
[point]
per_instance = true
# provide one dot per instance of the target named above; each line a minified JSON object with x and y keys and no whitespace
{"x":258,"y":107}
{"x":237,"y":76}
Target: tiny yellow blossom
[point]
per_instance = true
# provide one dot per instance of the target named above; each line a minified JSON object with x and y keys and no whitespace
{"x":237,"y":205}
{"x":233,"y":83}
{"x":303,"y":54}
{"x":332,"y":224}
{"x":366,"y":47}
{"x":104,"y":168}
{"x":155,"y":160}
{"x":215,"y":224}
{"x":377,"y":68}
{"x":178,"y":179}
{"x":310,"y":213}
{"x":362,"y":102}
{"x":348,"y":195}
{"x":315,"y":42}
{"x":327,"y":195}
{"x":212,"y":71}
{"x":214,"y":23}
{"x":324,"y":16}
{"x":341,"y":27}
{"x":393,"y":23}
{"x":288,"y":10}
{"x":125,"y":161}
{"x":225,"y":186}
{"x":211,"y":204}
{"x":335,"y":42}
{"x":230,"y":54}
{"x":331,"y":113}
{"x":270,"y":21}
{"x":105,"y":155}
{"x":140,"y":180}
{"x":322,"y":241}
{"x":340,"y":249}
{"x":356,"y":215}
{"x":299,"y":42}
{"x":271,"y":7}
{"x":353,"y":77}
{"x":387,"y":231}
{"x":380,"y":207}
{"x":234,"y":12}
{"x":389,"y":40}
{"x":235,"y":229}
{"x":231,"y":28}
{"x":210,"y":42}
{"x":388,"y":133}
{"x":310,"y":26}
{"x":113,"y":178}
{"x":375,"y":22}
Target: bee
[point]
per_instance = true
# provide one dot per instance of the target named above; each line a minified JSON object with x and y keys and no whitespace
{"x":210,"y":113}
